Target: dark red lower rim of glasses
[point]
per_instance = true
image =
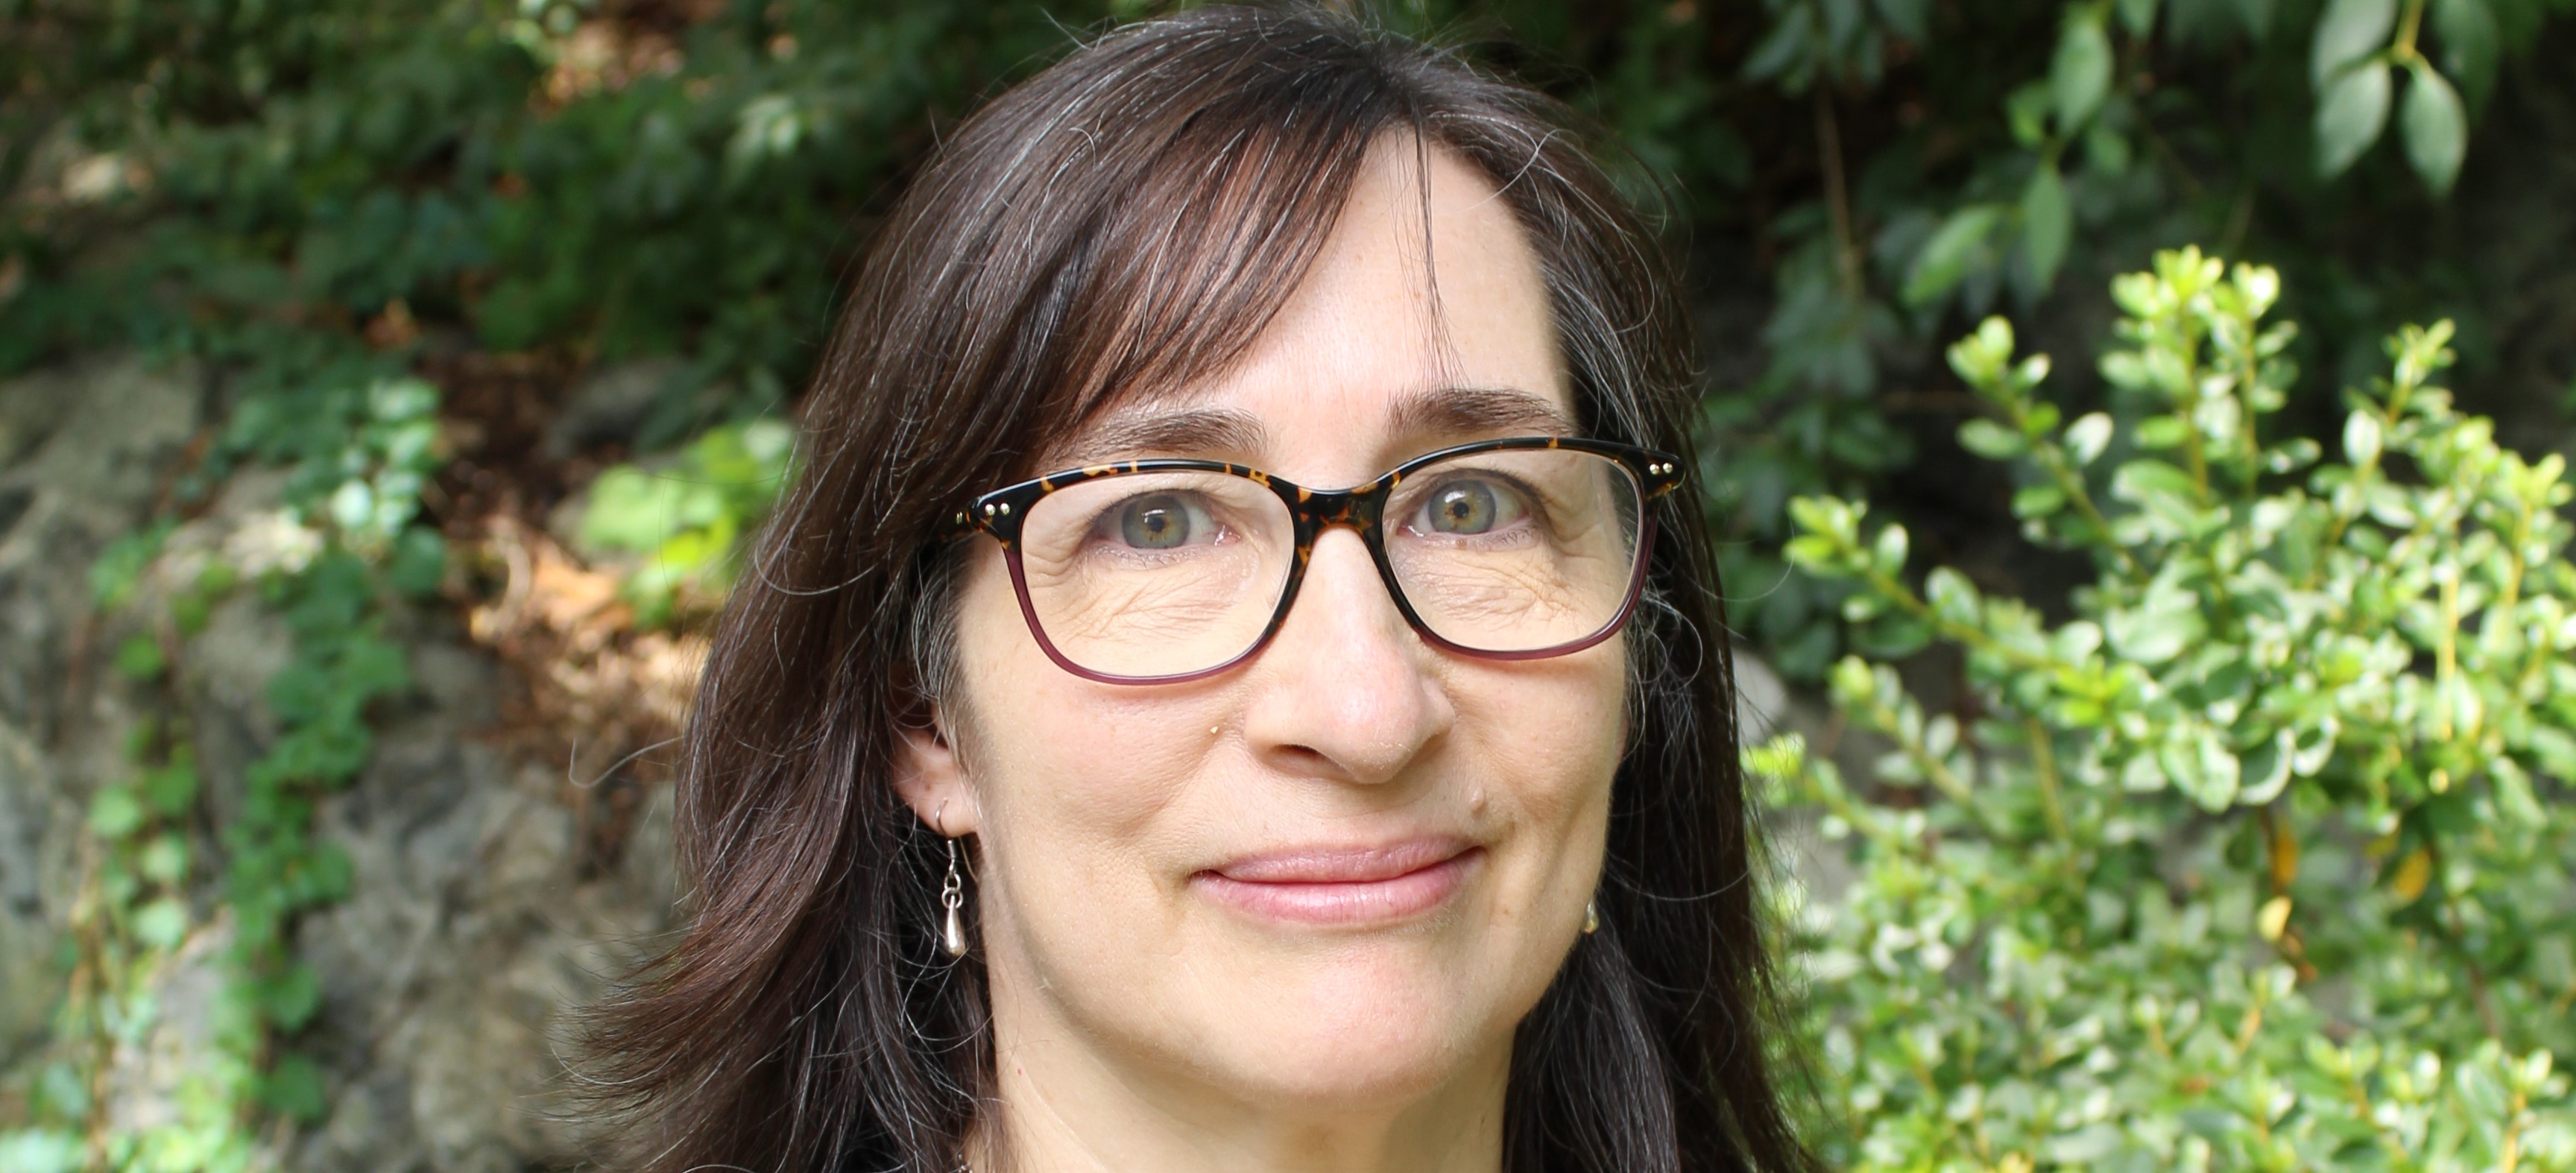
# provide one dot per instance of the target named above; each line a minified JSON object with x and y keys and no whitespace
{"x":1279,"y":618}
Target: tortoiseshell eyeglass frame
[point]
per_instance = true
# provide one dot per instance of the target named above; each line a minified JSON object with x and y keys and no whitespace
{"x":1360,"y":507}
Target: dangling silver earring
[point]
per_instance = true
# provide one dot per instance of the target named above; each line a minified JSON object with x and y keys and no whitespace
{"x":1591,"y":917}
{"x":952,"y":895}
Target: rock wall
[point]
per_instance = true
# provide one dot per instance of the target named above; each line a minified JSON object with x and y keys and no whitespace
{"x":485,"y":902}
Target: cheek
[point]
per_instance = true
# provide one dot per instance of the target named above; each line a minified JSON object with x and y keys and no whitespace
{"x":1548,"y":732}
{"x":1545,"y":739}
{"x":1070,"y":776}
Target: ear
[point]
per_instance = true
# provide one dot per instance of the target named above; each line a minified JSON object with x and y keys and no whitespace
{"x":930,"y":777}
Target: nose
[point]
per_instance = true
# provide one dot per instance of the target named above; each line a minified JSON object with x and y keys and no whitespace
{"x":1345,"y":690}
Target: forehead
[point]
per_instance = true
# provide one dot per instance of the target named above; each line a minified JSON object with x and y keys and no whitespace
{"x":1423,"y":318}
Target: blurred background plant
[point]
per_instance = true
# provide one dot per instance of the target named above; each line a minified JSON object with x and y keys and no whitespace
{"x":2264,"y":859}
{"x":491,"y":279}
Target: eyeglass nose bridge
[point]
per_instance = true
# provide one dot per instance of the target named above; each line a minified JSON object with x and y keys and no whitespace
{"x":1360,"y":509}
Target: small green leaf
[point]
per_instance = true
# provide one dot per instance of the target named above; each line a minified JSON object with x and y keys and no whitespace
{"x":419,"y":562}
{"x":294,"y":1087}
{"x":2349,"y":31}
{"x":2158,"y":630}
{"x":2047,"y":225}
{"x":1960,"y":244}
{"x":1814,"y":551}
{"x":1951,"y":595}
{"x":1892,"y":636}
{"x":2361,"y":438}
{"x":2080,"y":74}
{"x":2085,"y":1146}
{"x":2267,"y":769}
{"x":1887,"y":554}
{"x":162,"y":924}
{"x":2026,"y":112}
{"x":291,"y":998}
{"x":2088,"y":436}
{"x":2350,"y":113}
{"x":2037,"y":500}
{"x":1991,"y":440}
{"x":119,"y":569}
{"x":1829,"y":516}
{"x":2138,"y":16}
{"x":172,"y":789}
{"x":2163,"y":431}
{"x":139,"y":658}
{"x":115,"y":813}
{"x":43,"y":1151}
{"x":2437,"y":129}
{"x":60,"y":1090}
{"x":328,"y":872}
{"x":165,"y":859}
{"x":1789,"y":51}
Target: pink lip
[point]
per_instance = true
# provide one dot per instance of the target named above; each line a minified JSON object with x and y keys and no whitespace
{"x":1344,"y":885}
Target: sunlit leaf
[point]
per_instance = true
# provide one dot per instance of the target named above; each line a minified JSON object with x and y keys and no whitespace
{"x":2349,"y":31}
{"x":2437,"y":131}
{"x":2047,"y":225}
{"x":2350,"y":112}
{"x":2080,"y":74}
{"x":1962,"y":242}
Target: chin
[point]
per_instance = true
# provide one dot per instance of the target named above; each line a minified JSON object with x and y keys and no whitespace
{"x":1355,"y":1033}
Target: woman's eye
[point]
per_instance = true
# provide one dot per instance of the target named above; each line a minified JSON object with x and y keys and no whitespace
{"x":1162,"y":521}
{"x":1470,"y":507}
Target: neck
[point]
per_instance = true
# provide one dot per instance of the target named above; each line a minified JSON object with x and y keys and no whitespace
{"x":1067,"y":1105}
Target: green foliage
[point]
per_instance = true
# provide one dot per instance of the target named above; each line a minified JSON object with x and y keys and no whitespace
{"x":2036,"y":139}
{"x":2263,"y":859}
{"x":687,"y":519}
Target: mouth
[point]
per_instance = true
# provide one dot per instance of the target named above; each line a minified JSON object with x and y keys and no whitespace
{"x":1344,"y":885}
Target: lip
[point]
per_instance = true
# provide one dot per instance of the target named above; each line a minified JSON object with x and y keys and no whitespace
{"x":1360,"y":884}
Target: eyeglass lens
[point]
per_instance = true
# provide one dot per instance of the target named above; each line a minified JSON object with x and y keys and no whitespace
{"x":1168,"y":573}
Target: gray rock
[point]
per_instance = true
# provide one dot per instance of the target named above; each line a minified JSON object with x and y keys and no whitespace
{"x":84,"y":447}
{"x":29,"y":982}
{"x":476,"y":921}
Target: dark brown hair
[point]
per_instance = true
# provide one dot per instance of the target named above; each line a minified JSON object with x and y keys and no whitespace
{"x":1124,"y":221}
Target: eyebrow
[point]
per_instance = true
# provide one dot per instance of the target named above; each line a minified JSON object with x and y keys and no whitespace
{"x":1188,"y":430}
{"x":1450,"y":411}
{"x":1433,"y":412}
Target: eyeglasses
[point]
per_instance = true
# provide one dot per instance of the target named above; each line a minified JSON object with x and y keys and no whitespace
{"x":1158,"y":571}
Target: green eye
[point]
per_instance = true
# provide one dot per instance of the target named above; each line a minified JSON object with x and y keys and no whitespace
{"x":1159,"y":522}
{"x":1470,"y":507}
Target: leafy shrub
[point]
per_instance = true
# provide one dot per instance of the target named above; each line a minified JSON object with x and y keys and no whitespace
{"x":2262,"y":859}
{"x":687,"y":519}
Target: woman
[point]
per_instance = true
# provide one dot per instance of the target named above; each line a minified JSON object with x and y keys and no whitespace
{"x":1233,"y":686}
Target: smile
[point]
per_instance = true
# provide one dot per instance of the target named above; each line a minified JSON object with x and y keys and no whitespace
{"x":1350,"y":886}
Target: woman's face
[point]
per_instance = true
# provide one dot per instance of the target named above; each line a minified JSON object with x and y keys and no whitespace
{"x":1334,"y":877}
